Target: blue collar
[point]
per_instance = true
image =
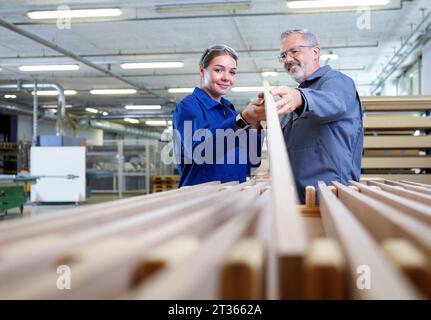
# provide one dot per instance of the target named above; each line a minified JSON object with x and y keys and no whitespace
{"x":319,"y":73}
{"x":207,"y":101}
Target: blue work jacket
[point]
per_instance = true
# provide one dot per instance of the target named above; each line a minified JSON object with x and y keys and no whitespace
{"x":325,"y":138}
{"x":201,"y":151}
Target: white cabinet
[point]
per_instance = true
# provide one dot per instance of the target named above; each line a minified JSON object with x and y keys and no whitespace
{"x":62,"y":174}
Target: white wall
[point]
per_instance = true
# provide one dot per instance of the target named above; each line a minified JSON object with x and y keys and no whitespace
{"x":426,"y":69}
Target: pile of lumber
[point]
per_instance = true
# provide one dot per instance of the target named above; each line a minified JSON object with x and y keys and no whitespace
{"x":397,"y":140}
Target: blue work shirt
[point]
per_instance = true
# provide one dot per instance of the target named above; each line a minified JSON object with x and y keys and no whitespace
{"x":206,"y":120}
{"x":325,"y":138}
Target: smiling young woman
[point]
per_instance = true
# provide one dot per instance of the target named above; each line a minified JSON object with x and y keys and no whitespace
{"x":204,"y":120}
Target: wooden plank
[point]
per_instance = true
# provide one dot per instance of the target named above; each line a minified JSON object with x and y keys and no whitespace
{"x":392,"y":153}
{"x":417,"y":184}
{"x":391,"y":123}
{"x":421,"y":178}
{"x":166,"y":254}
{"x":397,"y":142}
{"x":394,"y":103}
{"x":14,"y":225}
{"x":360,"y":250}
{"x":243,"y":271}
{"x":109,"y":275}
{"x":43,"y":257}
{"x":416,"y":196}
{"x":417,"y":210}
{"x":384,"y":221}
{"x":411,"y":261}
{"x":325,"y":271}
{"x":396,"y":162}
{"x":407,"y":186}
{"x":204,"y":265}
{"x":290,"y":230}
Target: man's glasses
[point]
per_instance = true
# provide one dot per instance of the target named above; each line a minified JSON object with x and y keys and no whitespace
{"x":293,"y":53}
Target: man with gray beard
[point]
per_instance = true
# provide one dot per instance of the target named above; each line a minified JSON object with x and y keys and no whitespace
{"x":321,"y":119}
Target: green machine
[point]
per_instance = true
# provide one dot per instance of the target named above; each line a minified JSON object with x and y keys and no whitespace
{"x":13,"y":191}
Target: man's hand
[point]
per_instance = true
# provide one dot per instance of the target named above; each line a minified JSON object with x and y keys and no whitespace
{"x":291,"y":99}
{"x":254,"y":113}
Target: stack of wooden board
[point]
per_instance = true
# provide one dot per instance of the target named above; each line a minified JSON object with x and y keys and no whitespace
{"x":164,"y":183}
{"x":397,"y":138}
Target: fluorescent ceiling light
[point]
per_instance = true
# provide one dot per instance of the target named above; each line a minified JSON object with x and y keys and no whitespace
{"x":54,"y":106}
{"x":330,"y":57}
{"x":152,"y":65}
{"x":156,"y":122}
{"x":247,"y":89}
{"x":78,"y":13}
{"x":92,"y":110}
{"x":180,"y":90}
{"x":113,"y":91}
{"x":54,"y":92}
{"x":325,"y":4}
{"x":269,"y":74}
{"x":54,"y":67}
{"x":131,"y":120}
{"x":105,"y":113}
{"x":10,"y":96}
{"x":143,"y":107}
{"x":204,"y":6}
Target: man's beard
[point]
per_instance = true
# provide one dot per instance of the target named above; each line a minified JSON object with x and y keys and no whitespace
{"x":299,"y":74}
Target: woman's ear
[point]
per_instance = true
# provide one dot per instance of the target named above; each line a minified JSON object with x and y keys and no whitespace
{"x":201,"y":71}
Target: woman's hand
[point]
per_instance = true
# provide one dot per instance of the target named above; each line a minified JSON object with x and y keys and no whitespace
{"x":254,"y":113}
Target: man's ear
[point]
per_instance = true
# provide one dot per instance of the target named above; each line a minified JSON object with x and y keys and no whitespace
{"x":316,"y":53}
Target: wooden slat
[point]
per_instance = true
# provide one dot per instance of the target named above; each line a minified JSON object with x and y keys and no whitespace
{"x":396,"y":162}
{"x":411,"y":261}
{"x":164,"y":255}
{"x":390,"y":123}
{"x":361,"y":249}
{"x":326,"y":274}
{"x":107,"y":276}
{"x":421,"y":178}
{"x":186,"y":280}
{"x":411,"y":187}
{"x":397,"y":142}
{"x":417,"y":184}
{"x":385,"y":221}
{"x":394,"y":103}
{"x":42,"y":257}
{"x":290,"y":230}
{"x":243,"y":271}
{"x":416,"y":196}
{"x":420,"y":211}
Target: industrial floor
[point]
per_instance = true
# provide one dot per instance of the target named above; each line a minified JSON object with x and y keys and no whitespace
{"x":33,"y":210}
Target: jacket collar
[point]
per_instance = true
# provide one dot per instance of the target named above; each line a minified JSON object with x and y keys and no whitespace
{"x":319,"y":73}
{"x":207,"y":101}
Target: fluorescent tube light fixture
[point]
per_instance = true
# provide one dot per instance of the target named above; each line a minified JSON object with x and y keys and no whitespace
{"x":181,"y":90}
{"x":131,"y":120}
{"x":92,"y":110}
{"x":54,"y":93}
{"x":333,"y":4}
{"x":54,"y":67}
{"x":113,"y":91}
{"x":152,"y":65}
{"x":156,"y":123}
{"x":76,"y":13}
{"x":143,"y":107}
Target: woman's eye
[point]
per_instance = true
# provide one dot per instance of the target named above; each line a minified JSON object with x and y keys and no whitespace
{"x":233,"y":73}
{"x":218,"y":70}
